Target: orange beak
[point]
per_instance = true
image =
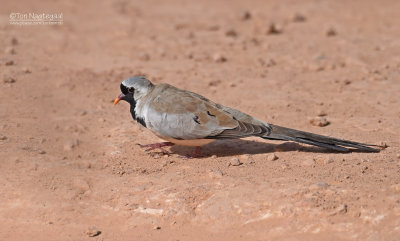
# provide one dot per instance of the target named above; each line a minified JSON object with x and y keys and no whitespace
{"x":119,"y":98}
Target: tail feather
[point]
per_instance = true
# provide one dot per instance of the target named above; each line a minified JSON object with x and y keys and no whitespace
{"x":287,"y":134}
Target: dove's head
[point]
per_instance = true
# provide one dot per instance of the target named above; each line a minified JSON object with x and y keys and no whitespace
{"x":134,"y":88}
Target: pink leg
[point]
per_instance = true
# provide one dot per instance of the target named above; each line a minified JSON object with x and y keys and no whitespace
{"x":159,"y":145}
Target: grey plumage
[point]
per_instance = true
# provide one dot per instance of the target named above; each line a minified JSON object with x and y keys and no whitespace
{"x":187,"y":118}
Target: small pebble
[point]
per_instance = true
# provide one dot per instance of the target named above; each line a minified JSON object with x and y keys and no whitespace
{"x":155,"y":155}
{"x":167,"y":162}
{"x":285,"y":166}
{"x":14,"y":41}
{"x":395,"y":187}
{"x":270,"y":63}
{"x":219,"y":58}
{"x":234,"y":162}
{"x":26,"y":70}
{"x":3,"y":137}
{"x":331,"y":32}
{"x":9,"y":80}
{"x":398,"y":155}
{"x":319,"y":68}
{"x":339,"y":210}
{"x":189,"y":55}
{"x":272,"y":157}
{"x":214,"y":82}
{"x":347,"y":82}
{"x":71,"y":144}
{"x":231,"y":33}
{"x":329,"y":160}
{"x":93,"y":232}
{"x":215,"y":173}
{"x":308,"y":162}
{"x":247,"y":159}
{"x":156,"y":227}
{"x":10,"y":62}
{"x":244,"y":15}
{"x":297,"y":18}
{"x":319,"y":121}
{"x":274,"y":29}
{"x":10,"y":50}
{"x":42,"y":152}
{"x":322,"y":113}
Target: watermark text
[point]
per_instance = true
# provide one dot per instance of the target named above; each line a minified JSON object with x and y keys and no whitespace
{"x":36,"y":18}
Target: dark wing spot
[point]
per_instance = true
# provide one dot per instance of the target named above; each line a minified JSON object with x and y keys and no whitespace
{"x":243,"y":130}
{"x":208,"y":113}
{"x":196,"y":119}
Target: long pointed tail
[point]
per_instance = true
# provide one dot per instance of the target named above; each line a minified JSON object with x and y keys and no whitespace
{"x":287,"y":134}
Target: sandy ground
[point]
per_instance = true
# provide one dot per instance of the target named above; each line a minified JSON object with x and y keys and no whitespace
{"x":70,"y":165}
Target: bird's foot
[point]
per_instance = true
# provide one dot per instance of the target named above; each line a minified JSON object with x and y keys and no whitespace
{"x":195,"y":154}
{"x":159,"y":145}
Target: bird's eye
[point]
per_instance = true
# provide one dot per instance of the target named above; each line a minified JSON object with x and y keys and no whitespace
{"x":131,"y":89}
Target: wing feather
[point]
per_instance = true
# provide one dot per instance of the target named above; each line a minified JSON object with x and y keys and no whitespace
{"x":186,"y":115}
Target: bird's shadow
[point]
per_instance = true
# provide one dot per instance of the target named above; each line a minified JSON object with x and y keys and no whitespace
{"x":224,"y":148}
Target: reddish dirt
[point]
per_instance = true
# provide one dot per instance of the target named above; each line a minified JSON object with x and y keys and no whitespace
{"x":70,"y":161}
